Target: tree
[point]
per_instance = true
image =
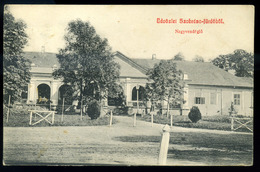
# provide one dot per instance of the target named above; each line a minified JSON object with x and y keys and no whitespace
{"x":86,"y":63}
{"x":16,"y":68}
{"x":198,"y":59}
{"x":166,"y":83}
{"x":179,"y":57}
{"x":240,"y":61}
{"x":223,"y":62}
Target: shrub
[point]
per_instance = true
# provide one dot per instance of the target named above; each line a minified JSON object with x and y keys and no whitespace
{"x":194,"y":114}
{"x":93,"y":109}
{"x":120,"y":111}
{"x":130,"y":111}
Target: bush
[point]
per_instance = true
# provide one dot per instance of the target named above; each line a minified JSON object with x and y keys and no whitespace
{"x":120,"y":111}
{"x":93,"y":109}
{"x":194,"y":114}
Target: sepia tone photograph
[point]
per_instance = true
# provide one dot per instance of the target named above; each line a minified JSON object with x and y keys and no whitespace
{"x":128,"y":85}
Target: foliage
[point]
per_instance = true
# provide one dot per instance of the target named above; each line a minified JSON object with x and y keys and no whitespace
{"x":198,"y":59}
{"x":194,"y":114}
{"x":122,"y":111}
{"x":166,"y":83}
{"x":179,"y":57}
{"x":87,"y":62}
{"x":240,"y":61}
{"x":243,"y":63}
{"x":93,"y":109}
{"x":16,"y":68}
{"x":217,"y":118}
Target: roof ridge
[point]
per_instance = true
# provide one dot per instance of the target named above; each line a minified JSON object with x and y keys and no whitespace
{"x":132,"y":63}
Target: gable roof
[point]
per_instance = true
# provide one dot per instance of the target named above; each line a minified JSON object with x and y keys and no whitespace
{"x":128,"y":69}
{"x":43,"y":63}
{"x":198,"y":73}
{"x":42,"y":59}
{"x":202,"y":73}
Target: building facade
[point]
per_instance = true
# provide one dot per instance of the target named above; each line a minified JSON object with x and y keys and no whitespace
{"x":213,"y":90}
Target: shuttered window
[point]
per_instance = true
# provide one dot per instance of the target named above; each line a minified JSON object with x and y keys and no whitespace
{"x":236,"y":99}
{"x":199,"y":100}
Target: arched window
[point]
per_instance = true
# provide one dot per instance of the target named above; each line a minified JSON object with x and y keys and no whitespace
{"x":140,"y":94}
{"x":117,"y":100}
{"x":66,"y":92}
{"x":44,"y":92}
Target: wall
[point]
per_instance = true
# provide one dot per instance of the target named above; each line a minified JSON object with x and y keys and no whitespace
{"x":224,"y":97}
{"x":50,"y":81}
{"x":128,"y":84}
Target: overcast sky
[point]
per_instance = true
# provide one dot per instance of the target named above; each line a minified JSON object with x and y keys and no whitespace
{"x":133,"y":30}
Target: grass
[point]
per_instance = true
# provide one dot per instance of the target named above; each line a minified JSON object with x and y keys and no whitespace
{"x":19,"y":117}
{"x":213,"y":149}
{"x":216,"y":122}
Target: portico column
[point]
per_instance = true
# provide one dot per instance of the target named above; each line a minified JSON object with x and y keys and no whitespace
{"x":54,"y":92}
{"x":31,"y":96}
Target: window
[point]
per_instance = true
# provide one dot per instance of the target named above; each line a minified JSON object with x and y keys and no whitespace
{"x":236,"y":99}
{"x":199,"y":100}
{"x":213,"y":98}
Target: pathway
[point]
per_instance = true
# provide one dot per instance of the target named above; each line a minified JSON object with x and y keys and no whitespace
{"x":87,"y":144}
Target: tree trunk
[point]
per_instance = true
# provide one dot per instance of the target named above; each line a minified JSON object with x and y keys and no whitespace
{"x":168,"y":107}
{"x":81,"y":97}
{"x":181,"y":107}
{"x":100,"y":100}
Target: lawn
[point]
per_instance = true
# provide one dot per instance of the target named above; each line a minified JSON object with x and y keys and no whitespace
{"x":216,"y":122}
{"x":20,"y":117}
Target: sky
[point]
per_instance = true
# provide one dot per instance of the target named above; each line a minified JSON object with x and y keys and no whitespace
{"x":134,"y":31}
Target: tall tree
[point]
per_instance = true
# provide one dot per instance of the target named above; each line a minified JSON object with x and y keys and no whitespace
{"x":179,"y":57}
{"x":87,"y":63}
{"x":16,"y":74}
{"x":166,"y":83}
{"x":223,"y":62}
{"x":240,"y":61}
{"x":198,"y":59}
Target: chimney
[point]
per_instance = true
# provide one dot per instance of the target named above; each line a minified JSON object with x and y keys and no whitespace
{"x":153,"y":56}
{"x":43,"y":49}
{"x":185,"y":77}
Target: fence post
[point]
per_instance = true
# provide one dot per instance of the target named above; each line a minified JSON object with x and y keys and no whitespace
{"x":164,"y":145}
{"x":30,"y":123}
{"x":81,"y":109}
{"x":53,"y":114}
{"x":232,"y":123}
{"x":8,"y":108}
{"x":171,"y":120}
{"x":134,"y":119}
{"x":62,"y":109}
{"x":111,"y":118}
{"x":152,"y":118}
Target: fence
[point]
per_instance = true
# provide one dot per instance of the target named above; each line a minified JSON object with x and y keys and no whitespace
{"x":42,"y":117}
{"x":243,"y":122}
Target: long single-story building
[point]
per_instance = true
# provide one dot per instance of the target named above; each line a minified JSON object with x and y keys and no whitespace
{"x":206,"y":86}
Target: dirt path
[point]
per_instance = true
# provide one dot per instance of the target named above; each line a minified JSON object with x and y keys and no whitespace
{"x":86,"y":145}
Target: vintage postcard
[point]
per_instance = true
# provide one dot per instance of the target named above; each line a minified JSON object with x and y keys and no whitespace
{"x":141,"y":85}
